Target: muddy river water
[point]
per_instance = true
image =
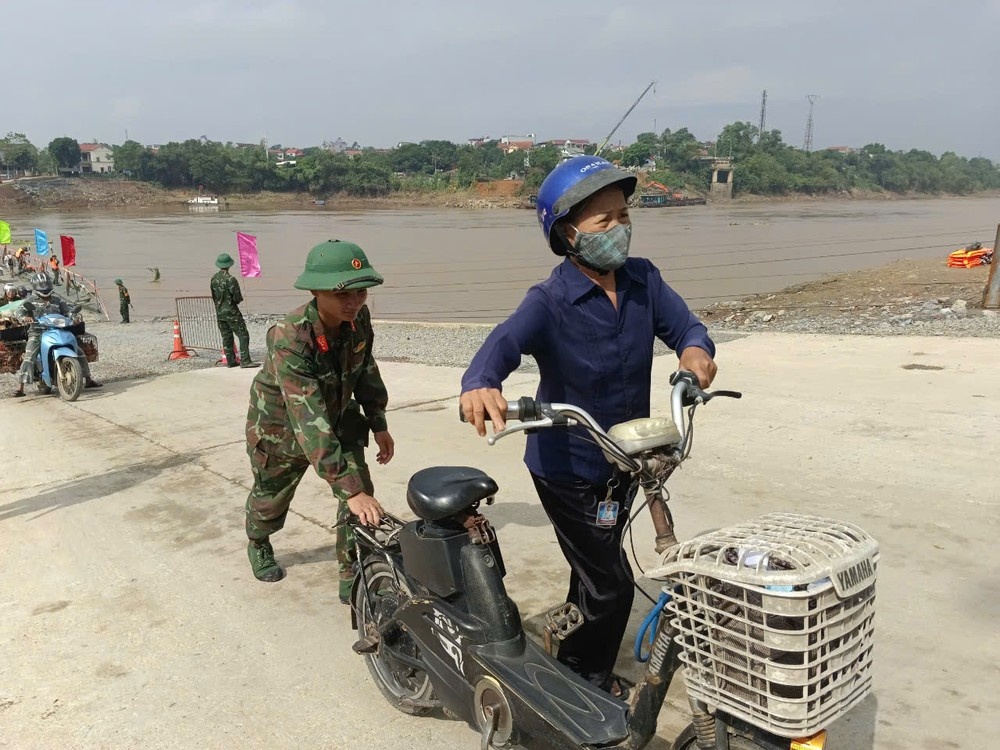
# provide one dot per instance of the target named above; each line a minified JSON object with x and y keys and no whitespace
{"x":474,"y":265}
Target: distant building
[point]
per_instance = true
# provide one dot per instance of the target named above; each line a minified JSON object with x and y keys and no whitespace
{"x":96,"y":158}
{"x":843,"y":149}
{"x":569,"y":147}
{"x":285,"y":154}
{"x":479,"y":141}
{"x":511,"y":143}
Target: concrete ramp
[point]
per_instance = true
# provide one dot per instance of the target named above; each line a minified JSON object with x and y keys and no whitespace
{"x":131,"y":618}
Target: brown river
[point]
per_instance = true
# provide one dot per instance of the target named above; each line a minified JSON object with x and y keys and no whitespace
{"x":474,"y":265}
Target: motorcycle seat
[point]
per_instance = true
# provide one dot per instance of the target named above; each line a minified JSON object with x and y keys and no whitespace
{"x":439,"y":492}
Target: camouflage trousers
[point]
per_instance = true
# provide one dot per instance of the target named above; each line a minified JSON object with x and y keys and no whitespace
{"x":231,"y":324}
{"x":277,"y":471}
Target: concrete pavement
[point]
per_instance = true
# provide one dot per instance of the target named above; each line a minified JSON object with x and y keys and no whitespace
{"x":130,"y":617}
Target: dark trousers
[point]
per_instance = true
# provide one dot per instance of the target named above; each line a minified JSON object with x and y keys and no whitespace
{"x":601,"y":580}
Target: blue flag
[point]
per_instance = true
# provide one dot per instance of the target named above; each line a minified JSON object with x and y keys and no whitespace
{"x":41,"y":242}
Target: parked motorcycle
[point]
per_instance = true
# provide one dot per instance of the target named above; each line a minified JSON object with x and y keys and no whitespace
{"x":770,"y":622}
{"x":58,"y":363}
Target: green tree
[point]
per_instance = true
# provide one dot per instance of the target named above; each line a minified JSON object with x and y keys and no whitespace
{"x":738,"y":140}
{"x":637,"y":154}
{"x":66,"y":152}
{"x":17,"y":153}
{"x":128,"y":157}
{"x":46,"y":162}
{"x":680,"y":150}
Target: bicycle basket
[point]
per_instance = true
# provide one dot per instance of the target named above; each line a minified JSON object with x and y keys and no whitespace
{"x":775,"y":619}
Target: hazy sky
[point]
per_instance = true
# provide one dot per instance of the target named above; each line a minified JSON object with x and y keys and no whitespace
{"x":908,"y":73}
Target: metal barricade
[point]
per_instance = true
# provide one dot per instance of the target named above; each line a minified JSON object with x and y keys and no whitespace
{"x":82,"y":291}
{"x":199,"y":327}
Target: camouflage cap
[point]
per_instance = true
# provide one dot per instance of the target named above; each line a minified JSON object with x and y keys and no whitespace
{"x":224,"y":261}
{"x":119,"y":281}
{"x":338,"y":266}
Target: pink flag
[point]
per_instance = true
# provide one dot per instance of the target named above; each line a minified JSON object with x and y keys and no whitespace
{"x":249,"y":262}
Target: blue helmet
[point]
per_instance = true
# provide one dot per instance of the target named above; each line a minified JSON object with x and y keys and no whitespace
{"x":572,"y":181}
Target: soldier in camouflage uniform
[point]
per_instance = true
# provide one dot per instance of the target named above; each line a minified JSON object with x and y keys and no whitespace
{"x":124,"y":300}
{"x":306,"y":406}
{"x":227,"y":296}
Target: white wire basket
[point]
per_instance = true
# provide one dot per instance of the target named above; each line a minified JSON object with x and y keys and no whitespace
{"x":775,"y":618}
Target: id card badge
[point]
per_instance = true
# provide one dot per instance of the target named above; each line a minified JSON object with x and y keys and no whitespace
{"x":607,"y":513}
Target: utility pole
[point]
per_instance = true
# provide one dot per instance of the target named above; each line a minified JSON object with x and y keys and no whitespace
{"x":808,"y":145}
{"x":763,"y":115}
{"x":991,"y":295}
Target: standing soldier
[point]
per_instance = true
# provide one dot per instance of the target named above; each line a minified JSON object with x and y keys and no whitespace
{"x":124,"y":300}
{"x":227,"y":297}
{"x":305,"y":406}
{"x":54,"y":265}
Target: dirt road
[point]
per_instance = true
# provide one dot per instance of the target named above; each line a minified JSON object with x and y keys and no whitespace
{"x":130,"y":618}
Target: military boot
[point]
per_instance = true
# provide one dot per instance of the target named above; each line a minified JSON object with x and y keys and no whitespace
{"x":261,"y":555}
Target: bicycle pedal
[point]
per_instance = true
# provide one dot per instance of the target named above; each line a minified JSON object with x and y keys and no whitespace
{"x":564,"y":620}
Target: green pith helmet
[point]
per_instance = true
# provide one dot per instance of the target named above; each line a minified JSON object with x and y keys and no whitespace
{"x":119,"y":281}
{"x":338,"y":266}
{"x":224,"y":261}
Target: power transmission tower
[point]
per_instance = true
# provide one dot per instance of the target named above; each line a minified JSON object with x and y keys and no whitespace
{"x":763,"y":115}
{"x":808,"y":145}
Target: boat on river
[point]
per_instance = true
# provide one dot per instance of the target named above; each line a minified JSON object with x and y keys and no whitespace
{"x":204,"y":200}
{"x":658,"y":195}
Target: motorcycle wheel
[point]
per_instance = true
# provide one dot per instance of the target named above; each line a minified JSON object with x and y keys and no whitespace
{"x":688,"y":740}
{"x":70,"y":378}
{"x":401,"y":685}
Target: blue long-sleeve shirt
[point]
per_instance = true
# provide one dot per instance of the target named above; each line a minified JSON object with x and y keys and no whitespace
{"x":589,"y":354}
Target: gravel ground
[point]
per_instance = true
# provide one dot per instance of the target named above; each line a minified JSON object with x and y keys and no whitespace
{"x":933,"y":317}
{"x":139,"y":350}
{"x":906,"y":298}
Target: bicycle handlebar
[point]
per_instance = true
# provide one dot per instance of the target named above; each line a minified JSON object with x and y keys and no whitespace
{"x":534,"y":414}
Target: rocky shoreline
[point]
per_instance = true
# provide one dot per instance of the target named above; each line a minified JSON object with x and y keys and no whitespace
{"x":908,"y":297}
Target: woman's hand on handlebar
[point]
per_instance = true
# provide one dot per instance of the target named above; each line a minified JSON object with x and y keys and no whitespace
{"x":697,"y":360}
{"x":484,"y":403}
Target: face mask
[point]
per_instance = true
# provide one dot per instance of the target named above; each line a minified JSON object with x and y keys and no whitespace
{"x":604,"y":251}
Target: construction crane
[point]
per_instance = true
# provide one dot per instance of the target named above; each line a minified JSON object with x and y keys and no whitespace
{"x":619,"y":123}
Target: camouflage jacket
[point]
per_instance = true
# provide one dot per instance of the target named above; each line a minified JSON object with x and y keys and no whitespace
{"x":225,"y":293}
{"x":123,"y":296}
{"x":307,"y":388}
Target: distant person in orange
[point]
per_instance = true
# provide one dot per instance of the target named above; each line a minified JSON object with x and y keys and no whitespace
{"x":54,"y":264}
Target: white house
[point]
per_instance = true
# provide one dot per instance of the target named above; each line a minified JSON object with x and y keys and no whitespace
{"x":96,"y":158}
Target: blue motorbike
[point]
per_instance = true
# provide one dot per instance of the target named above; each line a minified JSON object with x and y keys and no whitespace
{"x":58,"y":362}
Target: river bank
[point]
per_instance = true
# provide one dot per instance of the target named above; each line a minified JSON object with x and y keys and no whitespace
{"x":89,"y":193}
{"x":97,"y":192}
